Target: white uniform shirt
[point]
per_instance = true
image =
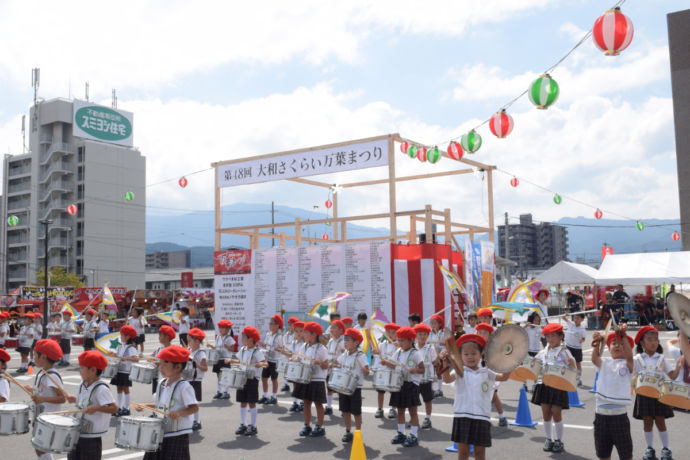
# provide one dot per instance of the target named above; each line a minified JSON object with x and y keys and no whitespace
{"x":573,"y":335}
{"x":38,"y":330}
{"x":469,"y":329}
{"x":26,"y":336}
{"x":355,"y":363}
{"x":335,"y":347}
{"x":473,"y":393}
{"x":411,"y":359}
{"x":654,"y":363}
{"x":51,"y":327}
{"x":88,"y":327}
{"x":67,"y":329}
{"x":428,"y":352}
{"x":4,"y":332}
{"x":99,"y":422}
{"x":43,"y":386}
{"x":436,"y":340}
{"x":126,"y":351}
{"x":198,"y":356}
{"x":249,"y":357}
{"x":177,"y":396}
{"x":4,"y":389}
{"x":316,"y":352}
{"x":103,"y":326}
{"x":544,"y":312}
{"x":613,"y":386}
{"x":288,"y":340}
{"x":558,"y":355}
{"x":273,"y":342}
{"x":184,"y":324}
{"x":534,"y":335}
{"x":138,"y":324}
{"x":221,"y":341}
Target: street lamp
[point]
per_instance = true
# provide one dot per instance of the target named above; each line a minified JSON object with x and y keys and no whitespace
{"x":46,"y":310}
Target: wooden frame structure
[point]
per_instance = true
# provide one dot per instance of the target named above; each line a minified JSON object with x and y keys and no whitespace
{"x":427,"y":215}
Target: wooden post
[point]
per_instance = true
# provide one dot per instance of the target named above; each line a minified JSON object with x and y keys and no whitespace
{"x":217,"y":229}
{"x":427,"y":223}
{"x":490,"y":197}
{"x":255,"y":244}
{"x":335,"y":216}
{"x":447,"y":225}
{"x":391,"y":189}
{"x":343,"y":230}
{"x":282,"y":239}
{"x":412,"y":238}
{"x":298,"y":232}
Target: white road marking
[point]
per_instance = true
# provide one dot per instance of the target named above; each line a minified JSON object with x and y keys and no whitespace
{"x":115,"y":451}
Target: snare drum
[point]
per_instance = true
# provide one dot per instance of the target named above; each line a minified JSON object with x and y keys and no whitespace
{"x":139,"y":433}
{"x":676,"y":394}
{"x":387,"y":379}
{"x":111,"y":370}
{"x":529,"y":370}
{"x":11,"y":343}
{"x":213,"y":356}
{"x":233,"y":377}
{"x":14,"y":418}
{"x":188,"y":371}
{"x":298,"y":372}
{"x":648,"y":384}
{"x":375,"y":362}
{"x":78,"y":339}
{"x":281,"y":365}
{"x":343,"y":381}
{"x":55,"y":337}
{"x":55,"y":433}
{"x":429,"y":374}
{"x":560,"y":377}
{"x":143,"y":372}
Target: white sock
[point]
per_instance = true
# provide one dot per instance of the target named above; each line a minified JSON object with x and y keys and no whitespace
{"x":500,"y":415}
{"x":265,"y":394}
{"x":243,"y":415}
{"x":196,"y":416}
{"x":295,"y":401}
{"x":649,"y":438}
{"x":559,"y":430}
{"x":220,"y":388}
{"x":252,"y":415}
{"x":664,"y":438}
{"x":46,"y":457}
{"x":401,"y":428}
{"x":413,"y":430}
{"x":25,"y":365}
{"x":329,"y":400}
{"x":439,"y":382}
{"x":547,"y":430}
{"x":126,"y":400}
{"x":274,"y":396}
{"x":65,"y":358}
{"x":119,"y":400}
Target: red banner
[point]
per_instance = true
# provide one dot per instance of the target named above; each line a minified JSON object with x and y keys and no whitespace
{"x":606,"y":250}
{"x":232,"y":262}
{"x":89,"y":293}
{"x":187,"y":280}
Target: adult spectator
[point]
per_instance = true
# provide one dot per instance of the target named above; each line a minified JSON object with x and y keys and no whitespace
{"x":620,"y":296}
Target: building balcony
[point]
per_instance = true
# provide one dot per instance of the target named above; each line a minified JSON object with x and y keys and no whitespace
{"x":56,"y":150}
{"x":59,"y":167}
{"x":60,"y":186}
{"x":45,"y":138}
{"x":15,"y":173}
{"x":16,"y":206}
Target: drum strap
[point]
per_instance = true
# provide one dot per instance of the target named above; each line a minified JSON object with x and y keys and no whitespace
{"x":80,"y":416}
{"x":686,"y":372}
{"x":38,"y":408}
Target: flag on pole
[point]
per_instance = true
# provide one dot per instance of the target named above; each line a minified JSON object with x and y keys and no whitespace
{"x":325,"y":307}
{"x":172,"y":318}
{"x":108,"y":298}
{"x":108,"y":343}
{"x":67,"y":307}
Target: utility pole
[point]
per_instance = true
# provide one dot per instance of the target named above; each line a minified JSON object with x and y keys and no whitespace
{"x":46,"y":309}
{"x":507,"y":245}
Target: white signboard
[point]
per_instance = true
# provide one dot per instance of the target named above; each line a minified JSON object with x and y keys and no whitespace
{"x":323,"y":161}
{"x":102,"y":123}
{"x":295,"y":279}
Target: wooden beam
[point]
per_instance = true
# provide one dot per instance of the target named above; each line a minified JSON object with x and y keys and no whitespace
{"x":447,"y":226}
{"x":298,"y":232}
{"x":335,"y":216}
{"x":457,"y":246}
{"x":282,"y":239}
{"x":428,"y":229}
{"x":217,"y":217}
{"x":408,"y":178}
{"x":343,"y":230}
{"x":391,"y":190}
{"x":412,"y":235}
{"x":490,"y":198}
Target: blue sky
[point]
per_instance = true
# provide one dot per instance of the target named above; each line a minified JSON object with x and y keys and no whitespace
{"x":211,"y":81}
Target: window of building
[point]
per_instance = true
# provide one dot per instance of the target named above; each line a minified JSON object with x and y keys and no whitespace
{"x":81,"y":211}
{"x":80,"y":192}
{"x":80,"y":266}
{"x":80,"y":173}
{"x":81,"y":154}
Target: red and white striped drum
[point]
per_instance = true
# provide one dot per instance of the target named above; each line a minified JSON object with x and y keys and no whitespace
{"x":78,"y":339}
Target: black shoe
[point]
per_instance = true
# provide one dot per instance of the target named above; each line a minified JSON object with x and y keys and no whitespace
{"x":502,"y":421}
{"x":348,"y":437}
{"x":226,"y":395}
{"x":411,"y":441}
{"x":426,"y":424}
{"x":392,"y":412}
{"x":272,"y":400}
{"x":301,"y":407}
{"x":328,"y":411}
{"x":294,"y":407}
{"x":379,"y":413}
{"x":251,"y":431}
{"x":262,"y":400}
{"x":548,"y":445}
{"x":306,"y":431}
{"x":241,"y":430}
{"x":557,"y":446}
{"x":21,"y":371}
{"x":399,"y":438}
{"x":125,"y":412}
{"x":196,"y":426}
{"x":318,"y":432}
{"x":286,"y":387}
{"x":218,"y":395}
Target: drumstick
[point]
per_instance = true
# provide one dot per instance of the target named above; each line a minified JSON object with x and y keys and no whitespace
{"x":59,"y":387}
{"x":392,"y":361}
{"x":13,"y":380}
{"x":66,"y":412}
{"x":152,"y":409}
{"x":602,"y":343}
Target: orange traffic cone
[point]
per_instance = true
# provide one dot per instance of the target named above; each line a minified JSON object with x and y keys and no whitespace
{"x":30,"y":370}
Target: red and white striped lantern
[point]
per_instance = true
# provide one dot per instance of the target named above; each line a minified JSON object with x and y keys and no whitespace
{"x":182,"y":182}
{"x":324,"y":236}
{"x":501,"y":124}
{"x":328,"y":204}
{"x":612,"y":32}
{"x":675,"y":236}
{"x":514,"y":182}
{"x":404,"y":146}
{"x":455,"y":150}
{"x":598,"y":214}
{"x":421,"y":154}
{"x":72,"y":209}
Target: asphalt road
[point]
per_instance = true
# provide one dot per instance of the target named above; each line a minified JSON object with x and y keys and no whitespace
{"x":278,"y":429}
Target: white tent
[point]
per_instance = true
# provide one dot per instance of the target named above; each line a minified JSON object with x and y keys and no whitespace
{"x":645,"y":268}
{"x":568,"y":273}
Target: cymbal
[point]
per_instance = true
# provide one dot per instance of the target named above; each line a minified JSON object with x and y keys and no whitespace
{"x":679,"y":308}
{"x":506,"y":348}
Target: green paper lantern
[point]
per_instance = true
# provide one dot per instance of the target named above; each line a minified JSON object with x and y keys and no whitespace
{"x":543,"y":91}
{"x":557,"y":199}
{"x":12,"y":221}
{"x":328,"y":224}
{"x":639,"y":225}
{"x":129,"y":196}
{"x":433,"y":155}
{"x":471,"y":142}
{"x":412,"y":151}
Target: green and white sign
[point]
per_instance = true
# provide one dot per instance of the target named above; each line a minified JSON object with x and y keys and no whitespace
{"x":102,"y":123}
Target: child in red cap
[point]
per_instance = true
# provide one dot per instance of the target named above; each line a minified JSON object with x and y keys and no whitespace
{"x":297,"y":345}
{"x":251,"y":359}
{"x":4,"y":384}
{"x":335,"y":348}
{"x":67,"y":329}
{"x":436,"y":341}
{"x":127,"y":352}
{"x":386,"y":347}
{"x":430,"y":358}
{"x":89,"y":327}
{"x":288,"y":341}
{"x":273,"y":341}
{"x":4,"y":328}
{"x":356,"y":362}
{"x":25,"y":340}
{"x":95,"y":399}
{"x":166,"y":334}
{"x":195,"y":337}
{"x":314,"y":354}
{"x":225,"y":342}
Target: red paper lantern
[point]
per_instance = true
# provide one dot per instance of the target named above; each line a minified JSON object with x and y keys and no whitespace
{"x":324,"y":236}
{"x":675,"y":236}
{"x":501,"y":124}
{"x":182,"y":182}
{"x":72,"y":209}
{"x":421,"y":154}
{"x":455,"y":150}
{"x":328,"y":204}
{"x":598,"y":214}
{"x":514,"y":182}
{"x":404,"y":146}
{"x":612,"y":32}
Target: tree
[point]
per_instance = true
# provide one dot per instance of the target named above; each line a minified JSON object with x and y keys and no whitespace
{"x":58,"y":276}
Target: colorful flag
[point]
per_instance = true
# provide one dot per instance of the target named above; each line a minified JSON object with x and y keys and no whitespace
{"x":452,"y":280}
{"x":325,"y":307}
{"x":377,"y":324}
{"x":67,"y":307}
{"x":524,"y":292}
{"x":108,"y":298}
{"x":172,"y":318}
{"x":108,"y":343}
{"x":513,"y":312}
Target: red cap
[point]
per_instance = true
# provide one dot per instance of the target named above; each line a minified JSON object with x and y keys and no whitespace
{"x":485,"y":312}
{"x":552,"y":328}
{"x":167,"y":330}
{"x":278,"y":319}
{"x":484,"y":327}
{"x":174,"y":354}
{"x":28,"y":315}
{"x":4,"y":356}
{"x":197,"y":333}
{"x":339,"y":324}
{"x":545,"y":291}
{"x":299,"y":325}
{"x":37,"y":315}
{"x":612,"y":337}
{"x":66,"y":312}
{"x":128,"y":331}
{"x":292,"y":320}
{"x":252,"y":333}
{"x":438,"y":318}
{"x":93,"y":358}
{"x":643,"y":331}
{"x":225,"y":324}
{"x":347,"y":319}
{"x":391,"y":327}
{"x":406,"y":332}
{"x":476,"y":338}
{"x":421,"y":327}
{"x":49,"y":348}
{"x":355,"y":334}
{"x":4,"y":315}
{"x":90,"y":312}
{"x":313,"y":327}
